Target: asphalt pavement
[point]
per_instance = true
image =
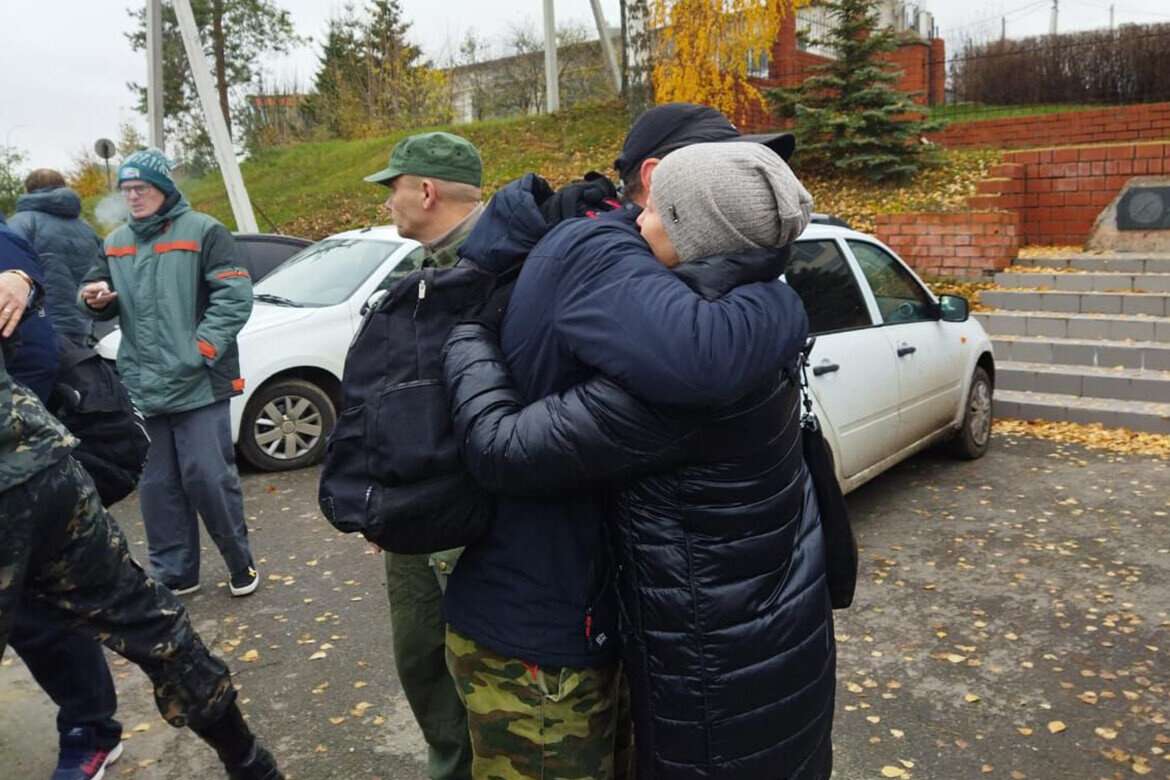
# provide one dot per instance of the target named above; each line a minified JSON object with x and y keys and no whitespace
{"x":1011,"y":622}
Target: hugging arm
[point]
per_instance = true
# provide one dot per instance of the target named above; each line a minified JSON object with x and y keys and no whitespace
{"x":595,"y":431}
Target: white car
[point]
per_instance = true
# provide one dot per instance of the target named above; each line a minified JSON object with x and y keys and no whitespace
{"x":293,"y":347}
{"x":893,"y":369}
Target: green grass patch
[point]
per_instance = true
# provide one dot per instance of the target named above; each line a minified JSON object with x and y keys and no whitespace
{"x":970,"y":112}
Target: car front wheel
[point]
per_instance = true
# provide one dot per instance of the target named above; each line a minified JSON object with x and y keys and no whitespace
{"x":973,"y":437}
{"x":285,"y":425}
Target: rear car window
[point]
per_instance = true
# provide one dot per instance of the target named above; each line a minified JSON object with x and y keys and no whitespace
{"x":825,"y":283}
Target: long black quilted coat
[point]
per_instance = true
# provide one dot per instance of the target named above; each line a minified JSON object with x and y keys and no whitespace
{"x":725,"y":619}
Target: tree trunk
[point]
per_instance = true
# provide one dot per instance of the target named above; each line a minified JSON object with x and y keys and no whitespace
{"x":220,"y":58}
{"x":639,"y":95}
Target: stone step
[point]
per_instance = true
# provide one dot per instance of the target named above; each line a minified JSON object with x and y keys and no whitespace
{"x":1086,"y":282}
{"x":1149,"y":355}
{"x":1115,"y":327}
{"x":1116,"y":263}
{"x":1127,"y":384}
{"x":1110,"y":412}
{"x":1150,"y":304}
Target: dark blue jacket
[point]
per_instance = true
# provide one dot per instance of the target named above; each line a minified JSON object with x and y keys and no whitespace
{"x":35,"y":356}
{"x":591,"y":298}
{"x":51,"y":222}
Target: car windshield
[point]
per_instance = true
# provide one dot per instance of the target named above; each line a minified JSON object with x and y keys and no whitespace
{"x":325,"y":273}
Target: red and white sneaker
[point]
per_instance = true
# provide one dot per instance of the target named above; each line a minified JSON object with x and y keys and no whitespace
{"x":81,"y":759}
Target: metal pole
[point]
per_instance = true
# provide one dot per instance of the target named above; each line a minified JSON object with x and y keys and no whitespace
{"x":221,"y":141}
{"x":606,"y":44}
{"x":1111,"y":16}
{"x":552,"y":90}
{"x":154,"y":74}
{"x":1055,"y":11}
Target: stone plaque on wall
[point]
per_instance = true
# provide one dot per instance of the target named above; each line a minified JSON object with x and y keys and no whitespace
{"x":1138,"y":219}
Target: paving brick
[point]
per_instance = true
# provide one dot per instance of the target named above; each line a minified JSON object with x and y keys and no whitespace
{"x":1048,"y":326}
{"x":1136,"y":330}
{"x":1089,"y":328}
{"x":1138,"y":303}
{"x":1100,"y":303}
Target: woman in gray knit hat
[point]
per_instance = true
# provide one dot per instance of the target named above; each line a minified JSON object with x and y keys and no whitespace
{"x":713,"y":526}
{"x":711,"y":199}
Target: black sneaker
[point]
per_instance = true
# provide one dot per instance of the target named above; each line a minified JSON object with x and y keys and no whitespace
{"x":246,"y":582}
{"x":262,"y":766}
{"x":182,"y":588}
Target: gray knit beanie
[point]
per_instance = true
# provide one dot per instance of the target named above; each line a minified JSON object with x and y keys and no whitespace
{"x":728,"y":197}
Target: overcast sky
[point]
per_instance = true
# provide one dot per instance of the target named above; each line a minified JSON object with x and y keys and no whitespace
{"x":66,"y":62}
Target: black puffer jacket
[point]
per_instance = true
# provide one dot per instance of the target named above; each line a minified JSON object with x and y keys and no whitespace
{"x":726,"y":625}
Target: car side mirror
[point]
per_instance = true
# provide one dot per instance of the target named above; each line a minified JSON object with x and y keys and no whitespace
{"x":373,"y":301}
{"x":953,"y":308}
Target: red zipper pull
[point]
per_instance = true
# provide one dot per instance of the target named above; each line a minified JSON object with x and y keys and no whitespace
{"x":588,"y":625}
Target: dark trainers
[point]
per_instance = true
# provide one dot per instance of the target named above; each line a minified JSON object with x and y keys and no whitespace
{"x":245,"y":582}
{"x":262,"y":766}
{"x":182,"y":588}
{"x":81,"y":759}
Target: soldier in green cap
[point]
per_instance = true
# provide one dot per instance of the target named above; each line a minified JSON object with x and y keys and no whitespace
{"x":435,"y":180}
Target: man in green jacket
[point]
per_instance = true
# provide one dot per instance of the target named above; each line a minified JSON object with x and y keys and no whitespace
{"x":435,"y":181}
{"x":174,"y":280}
{"x":59,"y":546}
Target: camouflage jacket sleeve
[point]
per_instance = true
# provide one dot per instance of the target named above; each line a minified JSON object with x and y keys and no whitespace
{"x":31,"y":439}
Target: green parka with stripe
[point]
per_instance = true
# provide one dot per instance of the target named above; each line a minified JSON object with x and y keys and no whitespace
{"x":183,"y":296}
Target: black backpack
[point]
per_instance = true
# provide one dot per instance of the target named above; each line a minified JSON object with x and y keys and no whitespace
{"x":393,"y":470}
{"x":91,"y":401}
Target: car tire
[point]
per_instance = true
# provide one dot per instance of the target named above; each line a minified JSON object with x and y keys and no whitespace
{"x":974,"y":435}
{"x":285,"y":425}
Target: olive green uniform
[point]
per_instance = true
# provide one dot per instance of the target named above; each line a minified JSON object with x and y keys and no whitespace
{"x":414,"y":586}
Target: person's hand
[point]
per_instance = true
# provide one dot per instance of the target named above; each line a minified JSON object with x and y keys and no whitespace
{"x":14,"y":291}
{"x":97,"y":295}
{"x":587,"y":197}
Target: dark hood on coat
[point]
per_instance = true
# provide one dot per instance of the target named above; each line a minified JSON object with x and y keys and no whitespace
{"x":58,"y":201}
{"x":713,"y":277}
{"x":510,"y":226}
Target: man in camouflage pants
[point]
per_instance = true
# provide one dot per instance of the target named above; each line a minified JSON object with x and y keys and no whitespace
{"x":59,"y":543}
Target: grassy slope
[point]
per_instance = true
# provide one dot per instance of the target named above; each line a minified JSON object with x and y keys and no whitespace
{"x":315,"y":189}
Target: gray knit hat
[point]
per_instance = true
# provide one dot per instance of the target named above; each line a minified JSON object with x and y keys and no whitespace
{"x":728,"y":197}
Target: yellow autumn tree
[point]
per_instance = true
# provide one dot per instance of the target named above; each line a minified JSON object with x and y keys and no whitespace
{"x":704,"y":46}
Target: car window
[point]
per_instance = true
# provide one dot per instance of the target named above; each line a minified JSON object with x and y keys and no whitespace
{"x":327,"y":272}
{"x":262,"y":257}
{"x":412,"y":262}
{"x":825,"y":283}
{"x":900,"y":297}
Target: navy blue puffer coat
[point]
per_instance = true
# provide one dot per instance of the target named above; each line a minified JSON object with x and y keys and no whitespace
{"x":51,"y":221}
{"x":726,"y":627}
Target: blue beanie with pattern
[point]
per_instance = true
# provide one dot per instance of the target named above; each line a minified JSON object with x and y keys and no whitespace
{"x":151,"y":166}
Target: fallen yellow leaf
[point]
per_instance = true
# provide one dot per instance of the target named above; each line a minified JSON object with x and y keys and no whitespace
{"x":893,"y":771}
{"x":1105,"y":732}
{"x":1056,"y":726}
{"x":251,"y":655}
{"x":971,"y":698}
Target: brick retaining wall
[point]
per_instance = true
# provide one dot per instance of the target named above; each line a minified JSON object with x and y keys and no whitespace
{"x":961,"y":244}
{"x":1144,"y":122}
{"x":1059,"y":192}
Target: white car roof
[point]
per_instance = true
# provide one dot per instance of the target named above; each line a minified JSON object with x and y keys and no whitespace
{"x":818,"y":231}
{"x":372,"y":233}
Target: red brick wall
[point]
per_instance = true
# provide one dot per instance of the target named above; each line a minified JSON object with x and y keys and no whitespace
{"x":923,"y":65}
{"x":1059,"y":192}
{"x":1145,"y":122}
{"x":963,"y":244}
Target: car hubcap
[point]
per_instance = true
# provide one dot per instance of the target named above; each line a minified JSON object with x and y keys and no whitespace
{"x":288,"y":427}
{"x":979,"y":413}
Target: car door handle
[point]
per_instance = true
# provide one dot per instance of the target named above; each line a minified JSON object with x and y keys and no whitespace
{"x":825,"y":368}
{"x":905,"y":350}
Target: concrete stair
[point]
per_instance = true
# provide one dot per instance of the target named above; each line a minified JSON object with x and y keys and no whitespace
{"x":1083,"y":338}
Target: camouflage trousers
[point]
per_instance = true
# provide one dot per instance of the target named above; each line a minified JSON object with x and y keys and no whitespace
{"x":60,"y":546}
{"x":529,"y":722}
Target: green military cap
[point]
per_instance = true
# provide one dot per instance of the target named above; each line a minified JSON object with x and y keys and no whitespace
{"x":435,"y":156}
